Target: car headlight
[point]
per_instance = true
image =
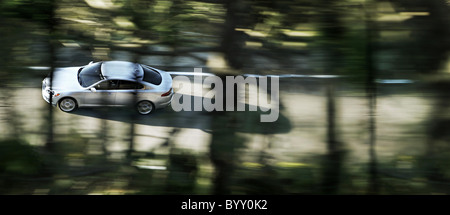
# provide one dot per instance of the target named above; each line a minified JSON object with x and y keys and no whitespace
{"x":53,"y":93}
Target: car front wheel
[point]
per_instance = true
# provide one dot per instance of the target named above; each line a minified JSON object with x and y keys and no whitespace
{"x":145,"y":107}
{"x":67,"y":104}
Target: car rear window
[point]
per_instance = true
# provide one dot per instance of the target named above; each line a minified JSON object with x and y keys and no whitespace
{"x":90,"y":74}
{"x":151,"y":76}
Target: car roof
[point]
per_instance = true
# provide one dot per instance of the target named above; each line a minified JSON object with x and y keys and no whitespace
{"x":121,"y":70}
{"x":126,"y":79}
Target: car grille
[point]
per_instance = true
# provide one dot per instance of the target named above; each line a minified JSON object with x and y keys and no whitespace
{"x":45,"y":92}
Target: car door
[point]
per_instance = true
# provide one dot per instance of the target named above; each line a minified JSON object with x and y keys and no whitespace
{"x":103,"y":94}
{"x":127,"y":93}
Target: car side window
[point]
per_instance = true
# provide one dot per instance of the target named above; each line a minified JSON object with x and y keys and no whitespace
{"x":107,"y":85}
{"x":102,"y":85}
{"x":130,"y":85}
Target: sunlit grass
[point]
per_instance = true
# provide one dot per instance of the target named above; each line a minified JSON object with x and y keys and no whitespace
{"x":103,"y":4}
{"x":124,"y":22}
{"x":292,"y":164}
{"x":415,"y":13}
{"x":393,"y":17}
{"x":253,"y":44}
{"x":252,"y":32}
{"x":293,"y":33}
{"x":294,"y":44}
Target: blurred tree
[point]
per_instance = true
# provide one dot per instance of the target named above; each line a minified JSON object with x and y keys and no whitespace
{"x":428,"y":49}
{"x":428,"y":52}
{"x":225,"y":143}
{"x":233,"y":41}
{"x":183,"y":172}
{"x":332,"y":34}
{"x":18,"y":161}
{"x":51,"y":24}
{"x":371,"y":94}
{"x":42,"y":13}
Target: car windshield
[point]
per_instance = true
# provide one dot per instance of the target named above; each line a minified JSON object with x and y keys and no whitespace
{"x":151,"y":75}
{"x":90,"y":74}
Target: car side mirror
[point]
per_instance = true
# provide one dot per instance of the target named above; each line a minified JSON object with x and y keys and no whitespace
{"x":93,"y":89}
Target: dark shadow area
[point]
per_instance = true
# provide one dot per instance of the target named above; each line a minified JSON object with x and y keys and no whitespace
{"x":167,"y":117}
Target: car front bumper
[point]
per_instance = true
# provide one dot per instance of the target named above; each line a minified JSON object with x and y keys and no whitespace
{"x":46,"y":95}
{"x":47,"y":99}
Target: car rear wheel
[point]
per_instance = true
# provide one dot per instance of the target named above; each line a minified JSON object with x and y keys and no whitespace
{"x":67,"y":104}
{"x":145,"y":107}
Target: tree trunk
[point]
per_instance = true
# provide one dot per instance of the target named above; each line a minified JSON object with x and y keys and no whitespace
{"x":51,"y":26}
{"x":332,"y":35}
{"x":371,"y":94}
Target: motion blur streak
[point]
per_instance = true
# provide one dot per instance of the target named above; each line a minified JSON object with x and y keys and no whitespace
{"x":362,"y":101}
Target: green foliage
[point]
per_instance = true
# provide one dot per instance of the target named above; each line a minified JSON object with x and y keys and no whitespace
{"x":38,"y":11}
{"x":17,"y":158}
{"x":182,"y":173}
{"x":354,"y":50}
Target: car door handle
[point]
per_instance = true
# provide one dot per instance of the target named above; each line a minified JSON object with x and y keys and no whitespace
{"x":134,"y":93}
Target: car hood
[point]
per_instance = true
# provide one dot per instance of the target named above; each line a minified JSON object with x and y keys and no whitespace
{"x":66,"y":79}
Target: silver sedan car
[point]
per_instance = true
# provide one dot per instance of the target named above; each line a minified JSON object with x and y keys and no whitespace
{"x":109,"y":83}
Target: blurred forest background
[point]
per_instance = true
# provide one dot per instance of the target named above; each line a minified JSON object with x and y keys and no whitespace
{"x":364,"y":107}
